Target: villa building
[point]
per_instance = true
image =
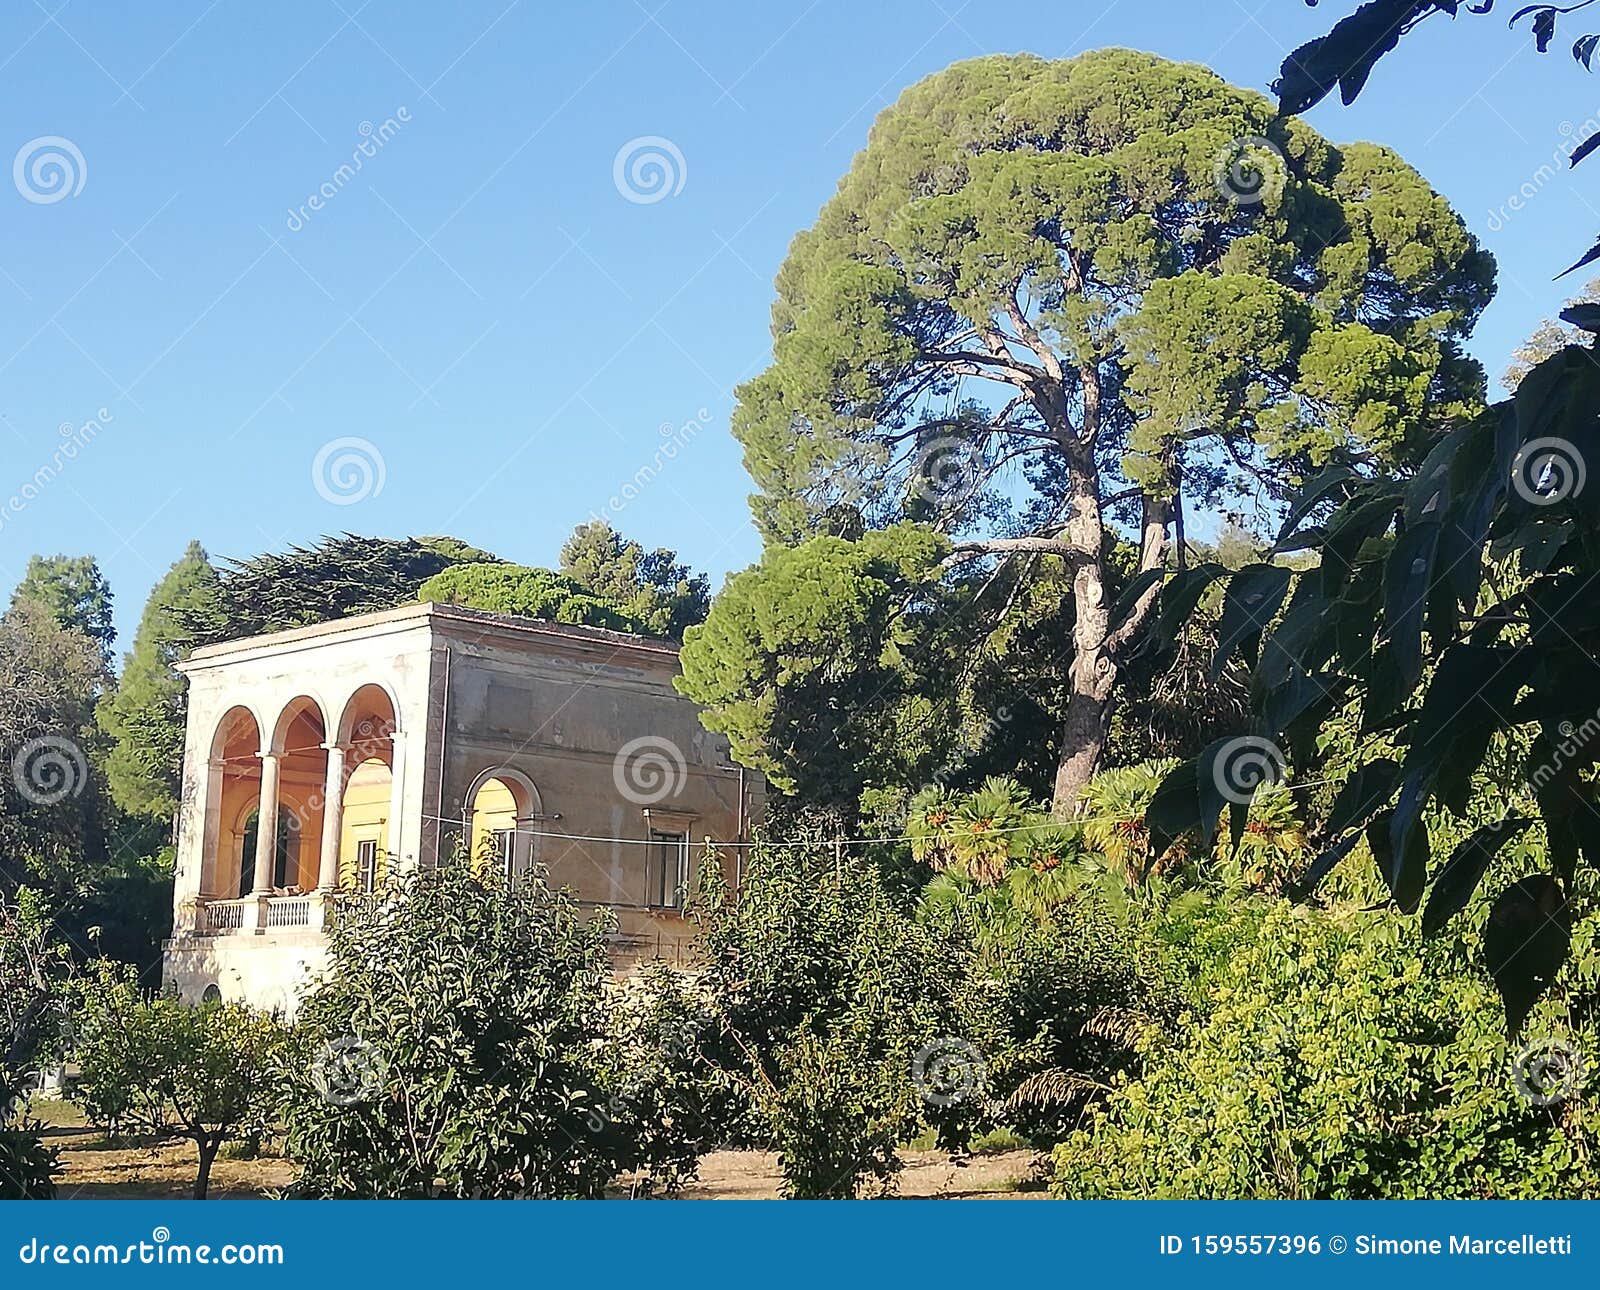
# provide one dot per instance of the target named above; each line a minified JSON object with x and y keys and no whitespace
{"x":322,"y":759}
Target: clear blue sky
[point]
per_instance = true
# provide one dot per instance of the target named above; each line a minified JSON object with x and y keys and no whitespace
{"x":480,"y":302}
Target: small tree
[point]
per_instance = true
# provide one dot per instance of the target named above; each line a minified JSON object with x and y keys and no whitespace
{"x":162,"y":1067}
{"x":455,"y":1048}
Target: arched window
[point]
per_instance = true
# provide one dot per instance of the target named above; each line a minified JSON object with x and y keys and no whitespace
{"x":286,"y":857}
{"x":502,"y":808}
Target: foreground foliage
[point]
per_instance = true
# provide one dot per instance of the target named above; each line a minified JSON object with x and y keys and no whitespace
{"x":456,"y":1048}
{"x":1450,"y":616}
{"x":851,"y":1019}
{"x":152,"y":1064}
{"x":33,"y":969}
{"x":1323,"y":1057}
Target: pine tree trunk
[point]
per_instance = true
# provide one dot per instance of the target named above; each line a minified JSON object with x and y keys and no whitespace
{"x":1093,"y":673}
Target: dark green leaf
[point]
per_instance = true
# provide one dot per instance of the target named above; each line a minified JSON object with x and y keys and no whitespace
{"x":1302,"y":694}
{"x":1404,"y":873}
{"x":1322,"y":866}
{"x":1178,"y":597}
{"x":1316,"y":490}
{"x":1368,"y":788}
{"x":1174,"y":809}
{"x":1525,"y":943}
{"x":1254,"y":597}
{"x":1123,"y":606}
{"x":1232,"y":770}
{"x":1585,"y":317}
{"x":1588,"y":257}
{"x":1465,"y":869}
{"x":1469,"y":698}
{"x":1358,"y":521}
{"x":1406,"y":577}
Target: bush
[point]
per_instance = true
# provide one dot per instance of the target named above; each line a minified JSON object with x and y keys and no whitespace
{"x":668,"y":1104}
{"x":851,"y":1020}
{"x":525,"y":591}
{"x":1328,"y":1058}
{"x":825,"y":992}
{"x":27,"y":1167}
{"x":456,"y":1047}
{"x":156,"y":1065}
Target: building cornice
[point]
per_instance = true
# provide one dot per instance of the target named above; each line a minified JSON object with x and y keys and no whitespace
{"x":450,"y":624}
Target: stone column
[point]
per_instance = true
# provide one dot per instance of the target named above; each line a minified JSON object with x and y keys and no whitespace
{"x":332,"y":818}
{"x":267,"y":823}
{"x":198,"y":839}
{"x":397,"y":798}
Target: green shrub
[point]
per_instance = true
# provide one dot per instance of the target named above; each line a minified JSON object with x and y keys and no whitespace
{"x":27,"y":1166}
{"x":850,"y":1021}
{"x":33,"y":968}
{"x":667,"y":1104}
{"x":457,"y":1046}
{"x":825,"y":992}
{"x":1327,"y":1057}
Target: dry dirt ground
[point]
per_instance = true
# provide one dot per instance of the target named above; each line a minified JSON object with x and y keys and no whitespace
{"x":94,"y":1169}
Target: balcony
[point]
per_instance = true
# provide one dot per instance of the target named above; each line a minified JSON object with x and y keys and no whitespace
{"x":257,"y":915}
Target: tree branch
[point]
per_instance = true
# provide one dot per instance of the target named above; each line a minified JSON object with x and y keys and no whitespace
{"x":1068,"y":551}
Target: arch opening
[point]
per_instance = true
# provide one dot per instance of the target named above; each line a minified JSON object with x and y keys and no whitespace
{"x":366,"y":833}
{"x":368,"y":724}
{"x":300,"y":741}
{"x":235,"y":790}
{"x":502,"y":811}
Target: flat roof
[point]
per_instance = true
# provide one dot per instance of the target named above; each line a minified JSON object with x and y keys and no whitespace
{"x":428,"y":613}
